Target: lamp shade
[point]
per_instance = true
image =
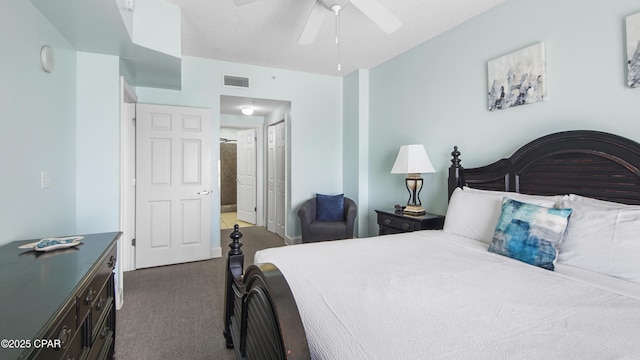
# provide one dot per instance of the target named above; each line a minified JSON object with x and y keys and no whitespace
{"x":412,"y":159}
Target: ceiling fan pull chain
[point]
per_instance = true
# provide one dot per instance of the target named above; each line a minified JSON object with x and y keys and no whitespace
{"x":337,"y":41}
{"x":336,"y":9}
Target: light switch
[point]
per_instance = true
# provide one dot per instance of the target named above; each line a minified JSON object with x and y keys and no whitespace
{"x":45,"y":180}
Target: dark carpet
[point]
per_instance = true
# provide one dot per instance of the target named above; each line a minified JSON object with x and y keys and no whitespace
{"x":176,"y":311}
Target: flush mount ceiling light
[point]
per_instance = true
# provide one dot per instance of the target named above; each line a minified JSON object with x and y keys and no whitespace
{"x":246,"y":110}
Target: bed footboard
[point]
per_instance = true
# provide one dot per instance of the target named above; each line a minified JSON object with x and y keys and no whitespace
{"x":261,"y":318}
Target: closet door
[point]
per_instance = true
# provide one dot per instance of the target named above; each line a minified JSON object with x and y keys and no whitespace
{"x":271,"y":178}
{"x":281,"y":142}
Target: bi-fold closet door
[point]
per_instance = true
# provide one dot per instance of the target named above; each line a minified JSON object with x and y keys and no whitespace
{"x":276,"y":175}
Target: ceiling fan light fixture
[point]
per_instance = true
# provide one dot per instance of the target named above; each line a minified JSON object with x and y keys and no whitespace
{"x":247,"y":110}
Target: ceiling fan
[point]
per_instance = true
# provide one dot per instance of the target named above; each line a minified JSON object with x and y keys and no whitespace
{"x":372,"y":8}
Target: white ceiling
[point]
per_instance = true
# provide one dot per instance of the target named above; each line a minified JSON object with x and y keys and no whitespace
{"x":266,"y":32}
{"x":262,"y":107}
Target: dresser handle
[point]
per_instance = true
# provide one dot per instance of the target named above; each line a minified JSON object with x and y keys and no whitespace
{"x":89,"y":297}
{"x":64,"y":336}
{"x":100,"y":304}
{"x":112,"y":261}
{"x":387,"y":221}
{"x":103,"y":334}
{"x":405,"y":226}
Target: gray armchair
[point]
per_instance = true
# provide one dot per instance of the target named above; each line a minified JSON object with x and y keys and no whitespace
{"x":314,"y":230}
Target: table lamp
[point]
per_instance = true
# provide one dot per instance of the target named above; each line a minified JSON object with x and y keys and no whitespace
{"x":413,"y":161}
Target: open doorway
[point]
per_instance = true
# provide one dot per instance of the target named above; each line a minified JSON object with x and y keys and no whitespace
{"x":237,"y":206}
{"x":234,"y":124}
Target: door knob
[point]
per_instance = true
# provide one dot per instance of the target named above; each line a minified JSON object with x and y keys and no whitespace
{"x":206,"y":192}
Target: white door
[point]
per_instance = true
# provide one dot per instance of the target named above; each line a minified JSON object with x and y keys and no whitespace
{"x":281,"y":141}
{"x":271,"y":178}
{"x":246,"y":177}
{"x":173,"y":178}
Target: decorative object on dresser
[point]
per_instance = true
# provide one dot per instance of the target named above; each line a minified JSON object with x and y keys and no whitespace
{"x":633,"y":49}
{"x":392,"y":221}
{"x":59,"y":304}
{"x":413,"y":161}
{"x":327,"y":217}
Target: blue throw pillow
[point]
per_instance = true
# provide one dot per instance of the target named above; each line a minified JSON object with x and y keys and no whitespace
{"x":330,"y":207}
{"x":530,"y":233}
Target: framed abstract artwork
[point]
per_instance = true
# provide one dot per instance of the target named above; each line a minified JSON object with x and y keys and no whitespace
{"x":633,"y":50}
{"x":518,"y":78}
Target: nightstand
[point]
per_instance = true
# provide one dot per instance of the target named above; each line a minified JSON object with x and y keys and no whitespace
{"x":391,"y":221}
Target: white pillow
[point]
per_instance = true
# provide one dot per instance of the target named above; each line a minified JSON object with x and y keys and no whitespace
{"x":474,"y":213}
{"x":603,"y":238}
{"x":597,"y":202}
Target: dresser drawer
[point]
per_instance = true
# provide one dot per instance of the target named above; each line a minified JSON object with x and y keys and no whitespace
{"x":67,"y":334}
{"x":101,"y":308}
{"x":391,"y":221}
{"x":400,"y":224}
{"x":88,"y":297}
{"x":103,"y":340}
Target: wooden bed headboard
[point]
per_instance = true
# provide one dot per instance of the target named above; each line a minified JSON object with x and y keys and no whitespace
{"x":589,"y":163}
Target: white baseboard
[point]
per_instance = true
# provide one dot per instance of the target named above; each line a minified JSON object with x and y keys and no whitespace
{"x":216,"y":252}
{"x":119,"y":299}
{"x":293,"y":241}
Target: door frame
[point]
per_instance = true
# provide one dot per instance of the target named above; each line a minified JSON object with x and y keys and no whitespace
{"x":175,"y":194}
{"x":260,"y":167}
{"x":126,"y":248}
{"x":126,"y":251}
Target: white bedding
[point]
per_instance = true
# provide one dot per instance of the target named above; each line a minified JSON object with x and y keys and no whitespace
{"x":434,"y":295}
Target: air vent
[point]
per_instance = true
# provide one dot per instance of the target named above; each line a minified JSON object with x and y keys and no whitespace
{"x":236,"y":81}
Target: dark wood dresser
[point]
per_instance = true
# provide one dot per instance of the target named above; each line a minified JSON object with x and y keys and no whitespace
{"x":58,"y":304}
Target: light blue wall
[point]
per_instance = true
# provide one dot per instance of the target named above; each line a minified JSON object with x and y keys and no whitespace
{"x":315,"y":129}
{"x":277,"y":115}
{"x":97,"y":143}
{"x":157,"y":26}
{"x":356,"y":145}
{"x":436,"y":94}
{"x":351,"y":115}
{"x":37,"y":127}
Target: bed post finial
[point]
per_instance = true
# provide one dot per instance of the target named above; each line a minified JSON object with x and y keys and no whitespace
{"x":455,"y":154}
{"x":235,"y":243}
{"x":456,"y":178}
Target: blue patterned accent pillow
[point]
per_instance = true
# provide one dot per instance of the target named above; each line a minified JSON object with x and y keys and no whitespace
{"x":329,"y":207}
{"x":529,"y":232}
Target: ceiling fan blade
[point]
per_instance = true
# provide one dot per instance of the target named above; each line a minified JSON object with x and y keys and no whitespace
{"x":243,"y":2}
{"x":378,"y":14}
{"x":314,"y":22}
